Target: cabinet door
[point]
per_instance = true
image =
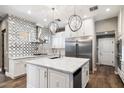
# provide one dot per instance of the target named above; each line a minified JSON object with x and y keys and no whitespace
{"x":120,"y":23}
{"x":88,"y":27}
{"x":83,"y":77}
{"x":19,"y":68}
{"x":85,"y":74}
{"x":122,"y":66}
{"x":36,"y":76}
{"x":43,"y":77}
{"x":58,"y":40}
{"x":57,"y":79}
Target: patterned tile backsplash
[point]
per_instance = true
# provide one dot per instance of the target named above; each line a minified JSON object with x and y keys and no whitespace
{"x":20,"y":34}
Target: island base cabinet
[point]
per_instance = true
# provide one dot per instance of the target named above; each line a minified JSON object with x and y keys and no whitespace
{"x":36,"y":76}
{"x":57,"y":79}
{"x":41,"y":77}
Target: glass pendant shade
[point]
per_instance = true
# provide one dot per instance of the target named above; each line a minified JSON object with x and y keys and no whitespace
{"x":75,"y":22}
{"x":53,"y":27}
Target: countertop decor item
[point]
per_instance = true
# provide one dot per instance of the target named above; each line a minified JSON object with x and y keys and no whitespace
{"x":53,"y":25}
{"x":75,"y":22}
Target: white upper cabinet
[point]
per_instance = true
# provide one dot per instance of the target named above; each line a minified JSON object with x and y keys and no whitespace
{"x":120,"y":24}
{"x":86,"y":29}
{"x":58,"y":40}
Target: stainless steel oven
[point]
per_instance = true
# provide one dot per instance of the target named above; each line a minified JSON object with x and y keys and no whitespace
{"x":119,"y":53}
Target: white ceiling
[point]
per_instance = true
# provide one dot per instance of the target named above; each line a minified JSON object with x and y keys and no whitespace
{"x":41,"y":12}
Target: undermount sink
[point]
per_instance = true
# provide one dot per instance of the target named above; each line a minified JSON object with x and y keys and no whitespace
{"x":54,"y":57}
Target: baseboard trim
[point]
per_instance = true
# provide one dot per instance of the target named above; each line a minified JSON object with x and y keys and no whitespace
{"x":9,"y":75}
{"x":116,"y":72}
{"x":14,"y":77}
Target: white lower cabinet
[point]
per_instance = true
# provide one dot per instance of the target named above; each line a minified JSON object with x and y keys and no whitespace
{"x":16,"y":68}
{"x":57,"y":79}
{"x":36,"y":77}
{"x":20,"y":68}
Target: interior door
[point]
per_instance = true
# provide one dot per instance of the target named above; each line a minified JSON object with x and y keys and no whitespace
{"x":106,"y":51}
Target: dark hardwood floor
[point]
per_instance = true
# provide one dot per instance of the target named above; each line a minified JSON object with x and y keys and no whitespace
{"x":104,"y":77}
{"x":3,"y":78}
{"x":9,"y":83}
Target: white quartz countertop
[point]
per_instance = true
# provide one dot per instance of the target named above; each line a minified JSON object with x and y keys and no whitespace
{"x":66,"y":64}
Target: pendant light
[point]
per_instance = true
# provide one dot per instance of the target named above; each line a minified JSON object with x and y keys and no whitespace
{"x":53,"y":26}
{"x":75,"y":22}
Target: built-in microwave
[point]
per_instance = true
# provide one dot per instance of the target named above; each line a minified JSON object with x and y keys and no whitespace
{"x":119,"y":53}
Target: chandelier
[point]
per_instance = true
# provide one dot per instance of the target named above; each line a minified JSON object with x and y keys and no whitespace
{"x":75,"y":22}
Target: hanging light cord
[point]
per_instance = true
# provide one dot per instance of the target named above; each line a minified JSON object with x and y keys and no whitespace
{"x":53,"y":12}
{"x":74,"y":10}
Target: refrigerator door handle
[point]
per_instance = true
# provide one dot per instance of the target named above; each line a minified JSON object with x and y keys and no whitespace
{"x":77,"y":50}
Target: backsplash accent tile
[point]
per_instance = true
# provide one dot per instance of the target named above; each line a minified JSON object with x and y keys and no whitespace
{"x":21,"y":33}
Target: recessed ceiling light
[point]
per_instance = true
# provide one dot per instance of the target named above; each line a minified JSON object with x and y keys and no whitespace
{"x":45,"y":19}
{"x":84,"y":16}
{"x":29,"y":12}
{"x":108,"y":9}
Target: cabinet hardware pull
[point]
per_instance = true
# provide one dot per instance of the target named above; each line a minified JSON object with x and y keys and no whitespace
{"x":45,"y":74}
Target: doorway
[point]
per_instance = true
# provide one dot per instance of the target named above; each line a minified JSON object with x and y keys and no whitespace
{"x":106,"y":51}
{"x":3,"y":50}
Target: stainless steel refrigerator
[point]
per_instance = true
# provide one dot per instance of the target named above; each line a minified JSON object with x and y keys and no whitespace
{"x":80,"y":47}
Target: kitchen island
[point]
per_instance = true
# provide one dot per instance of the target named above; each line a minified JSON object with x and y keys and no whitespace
{"x":65,"y":72}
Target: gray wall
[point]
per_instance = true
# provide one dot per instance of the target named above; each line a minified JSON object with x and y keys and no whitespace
{"x":106,"y":25}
